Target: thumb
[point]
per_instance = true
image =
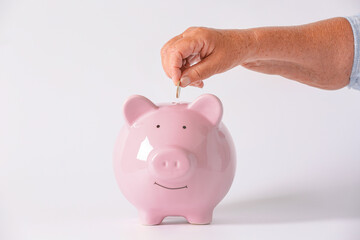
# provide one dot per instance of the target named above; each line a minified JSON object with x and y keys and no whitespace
{"x":198,"y":72}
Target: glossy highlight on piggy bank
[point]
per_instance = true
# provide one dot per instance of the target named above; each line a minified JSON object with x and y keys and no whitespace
{"x":174,"y":159}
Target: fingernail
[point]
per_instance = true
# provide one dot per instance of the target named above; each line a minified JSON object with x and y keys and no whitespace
{"x":197,"y":84}
{"x":185,"y":81}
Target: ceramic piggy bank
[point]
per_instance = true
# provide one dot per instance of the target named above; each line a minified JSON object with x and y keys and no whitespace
{"x":175,"y":159}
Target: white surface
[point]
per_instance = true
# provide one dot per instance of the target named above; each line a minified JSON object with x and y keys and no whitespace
{"x":66,"y":68}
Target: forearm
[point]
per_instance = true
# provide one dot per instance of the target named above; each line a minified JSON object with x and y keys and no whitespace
{"x":319,"y":54}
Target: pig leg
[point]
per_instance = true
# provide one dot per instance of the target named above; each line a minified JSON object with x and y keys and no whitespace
{"x":200,"y":217}
{"x":150,"y":217}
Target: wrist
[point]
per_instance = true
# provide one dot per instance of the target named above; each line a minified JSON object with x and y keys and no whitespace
{"x":246,"y":45}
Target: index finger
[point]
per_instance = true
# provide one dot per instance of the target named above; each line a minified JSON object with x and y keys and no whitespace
{"x":164,"y":55}
{"x":176,"y":53}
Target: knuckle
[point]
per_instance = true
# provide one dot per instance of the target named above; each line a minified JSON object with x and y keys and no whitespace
{"x":201,"y":30}
{"x":189,"y":29}
{"x":206,"y":33}
{"x":203,"y":33}
{"x":163,"y":51}
{"x":198,"y":74}
{"x":196,"y":31}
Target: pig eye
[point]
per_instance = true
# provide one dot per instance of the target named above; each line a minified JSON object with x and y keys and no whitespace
{"x":158,"y":126}
{"x":184,"y":127}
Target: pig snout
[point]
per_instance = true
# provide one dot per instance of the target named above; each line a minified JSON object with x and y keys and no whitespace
{"x":170,"y":163}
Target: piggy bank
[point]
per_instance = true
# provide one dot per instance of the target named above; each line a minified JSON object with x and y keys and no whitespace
{"x":174,"y":159}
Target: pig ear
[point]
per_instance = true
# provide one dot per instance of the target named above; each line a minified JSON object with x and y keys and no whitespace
{"x":136,"y":106}
{"x":209,"y":106}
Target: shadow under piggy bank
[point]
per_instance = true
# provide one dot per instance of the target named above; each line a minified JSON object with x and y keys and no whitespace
{"x":341,"y":202}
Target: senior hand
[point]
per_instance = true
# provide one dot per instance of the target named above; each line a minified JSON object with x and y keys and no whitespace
{"x":199,"y":53}
{"x":318,"y":54}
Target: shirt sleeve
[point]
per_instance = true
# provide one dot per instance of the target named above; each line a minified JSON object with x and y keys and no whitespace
{"x":355,"y":73}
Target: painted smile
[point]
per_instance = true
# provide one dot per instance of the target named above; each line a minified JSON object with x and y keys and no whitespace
{"x":169,"y":187}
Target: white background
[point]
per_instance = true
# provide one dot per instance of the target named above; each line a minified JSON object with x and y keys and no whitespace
{"x":66,"y":67}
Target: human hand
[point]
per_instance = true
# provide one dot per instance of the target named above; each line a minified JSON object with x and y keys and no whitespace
{"x":318,"y":54}
{"x":199,"y":53}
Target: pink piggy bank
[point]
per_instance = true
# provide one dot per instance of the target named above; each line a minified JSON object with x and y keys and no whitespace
{"x":175,"y":159}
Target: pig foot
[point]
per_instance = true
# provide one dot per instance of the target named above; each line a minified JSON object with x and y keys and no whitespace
{"x":203,"y":217}
{"x":147,"y":218}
